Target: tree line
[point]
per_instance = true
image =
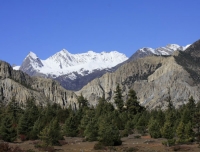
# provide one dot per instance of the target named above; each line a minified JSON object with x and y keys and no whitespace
{"x":103,"y":123}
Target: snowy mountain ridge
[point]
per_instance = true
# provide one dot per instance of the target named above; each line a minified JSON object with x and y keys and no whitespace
{"x":167,"y":50}
{"x":64,"y":62}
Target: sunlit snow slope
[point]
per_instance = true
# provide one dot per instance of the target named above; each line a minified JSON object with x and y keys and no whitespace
{"x":64,"y":62}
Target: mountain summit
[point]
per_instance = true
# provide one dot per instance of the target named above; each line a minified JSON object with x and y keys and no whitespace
{"x":166,"y":50}
{"x":64,"y":62}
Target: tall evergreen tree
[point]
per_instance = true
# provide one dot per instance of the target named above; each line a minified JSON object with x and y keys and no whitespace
{"x":87,"y":117}
{"x":167,"y":130}
{"x":118,"y":98}
{"x":170,"y":105}
{"x":189,"y":133}
{"x":83,"y":102}
{"x":108,"y":133}
{"x":23,"y":128}
{"x":132,"y":104}
{"x":70,"y":128}
{"x":180,"y":131}
{"x":154,"y":129}
{"x":37,"y":127}
{"x":91,"y":131}
{"x":51,"y":133}
{"x":8,"y":129}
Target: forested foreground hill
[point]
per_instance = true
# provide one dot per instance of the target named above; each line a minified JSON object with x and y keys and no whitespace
{"x":102,"y":123}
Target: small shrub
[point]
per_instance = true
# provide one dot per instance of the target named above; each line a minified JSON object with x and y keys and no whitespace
{"x":99,"y":146}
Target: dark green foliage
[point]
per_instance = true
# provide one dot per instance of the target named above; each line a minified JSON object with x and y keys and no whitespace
{"x":8,"y":129}
{"x":118,"y":98}
{"x":70,"y":127}
{"x":102,"y":123}
{"x":154,"y":129}
{"x":14,"y":110}
{"x":142,"y":123}
{"x":188,"y":130}
{"x":132,"y":104}
{"x":91,"y":131}
{"x":196,"y":121}
{"x":23,"y":127}
{"x":37,"y":127}
{"x":87,"y":118}
{"x":170,"y":105}
{"x":180,"y":130}
{"x":83,"y":103}
{"x":167,"y":130}
{"x":51,"y":134}
{"x":109,"y":134}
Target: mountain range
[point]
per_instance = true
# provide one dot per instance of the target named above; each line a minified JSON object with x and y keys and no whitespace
{"x":74,"y":71}
{"x":171,"y":70}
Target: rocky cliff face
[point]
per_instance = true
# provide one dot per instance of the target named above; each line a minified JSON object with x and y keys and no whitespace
{"x":150,"y":77}
{"x":21,"y":86}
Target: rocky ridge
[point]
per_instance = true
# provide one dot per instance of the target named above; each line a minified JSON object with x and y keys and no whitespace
{"x":21,"y":86}
{"x":150,"y":77}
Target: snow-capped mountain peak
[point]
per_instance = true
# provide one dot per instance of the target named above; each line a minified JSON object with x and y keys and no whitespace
{"x":63,"y":62}
{"x":167,"y":50}
{"x":173,"y":46}
{"x":32,"y":55}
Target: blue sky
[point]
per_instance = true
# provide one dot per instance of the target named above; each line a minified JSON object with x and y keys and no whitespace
{"x":47,"y":26}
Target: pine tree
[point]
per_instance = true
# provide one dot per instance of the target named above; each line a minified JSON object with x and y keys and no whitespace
{"x":118,"y":98}
{"x":180,"y":131}
{"x":37,"y":127}
{"x":189,"y":133}
{"x":70,"y":127}
{"x":132,"y":104}
{"x":23,"y":128}
{"x":51,"y":134}
{"x":87,"y":117}
{"x":154,"y":129}
{"x":45,"y":137}
{"x":196,"y":121}
{"x":8,"y":129}
{"x":55,"y":132}
{"x":91,"y":131}
{"x":191,"y":106}
{"x":167,"y":130}
{"x":170,"y":105}
{"x":14,"y":110}
{"x":83,"y":103}
{"x":108,"y":133}
{"x":186,"y":117}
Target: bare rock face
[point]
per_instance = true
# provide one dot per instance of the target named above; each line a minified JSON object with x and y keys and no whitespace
{"x":21,"y":86}
{"x":150,"y":77}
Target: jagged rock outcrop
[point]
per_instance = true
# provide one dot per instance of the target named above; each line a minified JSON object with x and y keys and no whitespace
{"x":21,"y":86}
{"x":151,"y":77}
